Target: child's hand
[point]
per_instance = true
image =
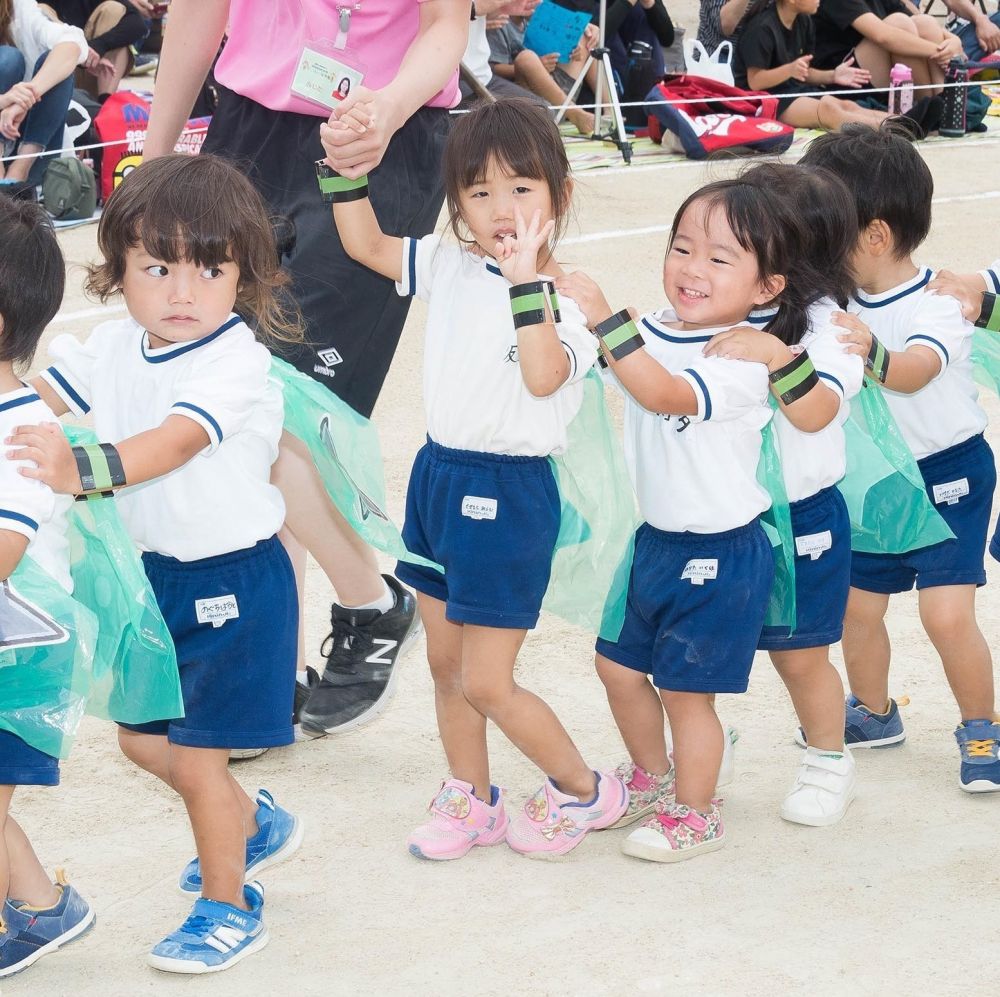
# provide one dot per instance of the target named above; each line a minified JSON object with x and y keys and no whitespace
{"x":358,"y":132}
{"x":799,"y":69}
{"x":517,"y":255}
{"x":47,"y":446}
{"x":965,"y":289}
{"x":587,"y":295}
{"x":847,"y":74}
{"x":857,"y":338}
{"x":746,"y":343}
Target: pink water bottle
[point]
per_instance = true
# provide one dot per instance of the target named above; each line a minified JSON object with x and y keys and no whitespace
{"x":900,"y":89}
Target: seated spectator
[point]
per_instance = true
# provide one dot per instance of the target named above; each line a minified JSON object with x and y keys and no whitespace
{"x":476,"y":59}
{"x":880,"y":33}
{"x":112,"y":28}
{"x":722,"y":20}
{"x":978,"y":31}
{"x":37,"y":58}
{"x":510,"y":60}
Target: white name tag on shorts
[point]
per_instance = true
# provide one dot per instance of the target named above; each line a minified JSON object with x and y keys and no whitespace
{"x":951,"y":491}
{"x":698,"y":570}
{"x":323,"y":79}
{"x":813,"y":544}
{"x":479,"y":508}
{"x":217,"y":611}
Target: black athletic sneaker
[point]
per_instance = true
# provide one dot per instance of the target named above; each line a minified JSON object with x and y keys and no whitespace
{"x":361,"y":650}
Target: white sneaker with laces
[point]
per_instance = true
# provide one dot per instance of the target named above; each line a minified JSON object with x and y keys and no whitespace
{"x":823,"y":790}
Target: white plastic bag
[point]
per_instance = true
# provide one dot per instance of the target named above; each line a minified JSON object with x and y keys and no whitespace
{"x":715,"y":66}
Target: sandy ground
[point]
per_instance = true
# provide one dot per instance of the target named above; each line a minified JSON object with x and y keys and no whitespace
{"x":901,"y":896}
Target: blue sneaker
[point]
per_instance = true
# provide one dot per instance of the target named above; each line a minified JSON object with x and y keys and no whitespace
{"x":864,"y":729}
{"x":279,"y":836}
{"x":214,"y":937}
{"x":27,"y":933}
{"x":979,"y":743}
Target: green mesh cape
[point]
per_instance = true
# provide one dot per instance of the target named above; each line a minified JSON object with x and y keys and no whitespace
{"x":105,"y":650}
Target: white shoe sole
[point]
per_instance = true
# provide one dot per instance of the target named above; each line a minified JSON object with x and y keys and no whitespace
{"x":287,"y":850}
{"x":658,"y":853}
{"x":416,"y":628}
{"x":243,"y":754}
{"x":882,"y":742}
{"x":628,"y":819}
{"x":823,"y":820}
{"x":187,"y":968}
{"x":57,"y":943}
{"x":979,"y":786}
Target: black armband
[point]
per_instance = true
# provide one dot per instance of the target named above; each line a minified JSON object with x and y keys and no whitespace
{"x":528,"y":303}
{"x":337,"y":189}
{"x":989,"y":316}
{"x":619,"y":335}
{"x":877,"y":361}
{"x":100,"y":469}
{"x":797,"y":378}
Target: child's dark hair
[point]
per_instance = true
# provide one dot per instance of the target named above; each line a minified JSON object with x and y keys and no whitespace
{"x":887,"y":177}
{"x":768,"y":225}
{"x":518,"y":135}
{"x":32,"y":279}
{"x":202,"y":209}
{"x":829,"y":223}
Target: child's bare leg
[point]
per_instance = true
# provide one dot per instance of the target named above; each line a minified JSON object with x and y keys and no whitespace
{"x":697,"y":737}
{"x":816,"y":692}
{"x":217,"y":818}
{"x":866,"y":648}
{"x":297,"y":555}
{"x":461,"y":725}
{"x":948,"y":613}
{"x":638,"y":712}
{"x":152,"y":753}
{"x":488,"y":657}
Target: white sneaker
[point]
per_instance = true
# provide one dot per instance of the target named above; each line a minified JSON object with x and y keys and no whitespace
{"x":727,"y":771}
{"x":823,"y":790}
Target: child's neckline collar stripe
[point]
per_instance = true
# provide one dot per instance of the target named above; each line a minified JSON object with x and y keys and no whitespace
{"x":164,"y":353}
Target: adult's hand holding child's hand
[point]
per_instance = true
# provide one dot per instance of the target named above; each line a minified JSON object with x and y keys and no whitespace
{"x":358,"y":132}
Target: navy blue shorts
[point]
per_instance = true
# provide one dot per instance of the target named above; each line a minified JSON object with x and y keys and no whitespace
{"x":822,"y":529}
{"x":23,"y":765}
{"x":960,"y":482}
{"x":237,"y":678}
{"x":491,"y":521}
{"x":696,"y":605}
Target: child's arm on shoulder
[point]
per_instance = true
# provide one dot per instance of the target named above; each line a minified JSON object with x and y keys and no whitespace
{"x":360,"y":233}
{"x":905,"y":371}
{"x":648,"y":382}
{"x":810,"y":410}
{"x":145,"y":456}
{"x":49,"y":396}
{"x":967,"y":289}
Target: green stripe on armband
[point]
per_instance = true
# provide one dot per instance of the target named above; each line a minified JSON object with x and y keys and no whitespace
{"x":337,"y":189}
{"x":88,"y":496}
{"x":619,"y":335}
{"x":878,"y":361}
{"x":795,"y":379}
{"x":989,"y":317}
{"x":100,"y":468}
{"x":527,"y":304}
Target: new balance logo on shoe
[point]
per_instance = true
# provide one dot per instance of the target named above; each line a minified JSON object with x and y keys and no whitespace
{"x":378,"y":656}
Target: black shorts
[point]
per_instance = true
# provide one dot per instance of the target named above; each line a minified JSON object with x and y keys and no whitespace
{"x":353,"y":316}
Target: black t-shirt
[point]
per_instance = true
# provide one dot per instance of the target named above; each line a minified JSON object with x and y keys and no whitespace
{"x":834,"y":35}
{"x":765,"y":43}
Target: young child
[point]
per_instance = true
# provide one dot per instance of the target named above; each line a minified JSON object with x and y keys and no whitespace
{"x":181,"y":387}
{"x":37,"y":916}
{"x":482,"y":499}
{"x":702,"y":570}
{"x":811,"y":442}
{"x":774,"y":53}
{"x":917,"y":346}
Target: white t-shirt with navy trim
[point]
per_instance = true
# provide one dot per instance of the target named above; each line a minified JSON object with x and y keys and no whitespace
{"x":698,"y":473}
{"x":27,"y":506}
{"x":991,"y":275}
{"x":222,"y":499}
{"x":811,"y":462}
{"x":474,"y":395}
{"x":945,"y":412}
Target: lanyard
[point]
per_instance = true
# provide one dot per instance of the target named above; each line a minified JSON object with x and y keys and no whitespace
{"x":344,"y":12}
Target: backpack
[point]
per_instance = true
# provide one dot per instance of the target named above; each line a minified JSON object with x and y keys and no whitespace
{"x":722,"y":117}
{"x":69,"y":189}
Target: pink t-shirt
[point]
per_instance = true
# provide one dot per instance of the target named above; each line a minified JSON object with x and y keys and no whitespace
{"x":266,"y":38}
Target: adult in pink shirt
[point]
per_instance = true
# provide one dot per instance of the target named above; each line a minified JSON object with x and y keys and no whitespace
{"x":408,"y":52}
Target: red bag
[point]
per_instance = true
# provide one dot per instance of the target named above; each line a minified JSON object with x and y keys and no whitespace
{"x":123,"y":120}
{"x":722,"y":117}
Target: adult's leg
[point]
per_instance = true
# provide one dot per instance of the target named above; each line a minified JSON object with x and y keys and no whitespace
{"x":11,"y":71}
{"x":828,"y":112}
{"x":638,"y":712}
{"x":866,"y":647}
{"x":104,"y":17}
{"x":948,"y":613}
{"x":42,"y":128}
{"x":531,"y":73}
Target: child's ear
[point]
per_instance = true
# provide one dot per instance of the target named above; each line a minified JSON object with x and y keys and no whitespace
{"x":770,"y":289}
{"x":877,"y":238}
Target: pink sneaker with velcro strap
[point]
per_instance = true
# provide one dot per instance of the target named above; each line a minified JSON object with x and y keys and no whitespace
{"x":459,"y":821}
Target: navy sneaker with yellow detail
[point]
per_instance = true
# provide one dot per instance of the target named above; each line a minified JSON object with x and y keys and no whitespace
{"x":979,"y":743}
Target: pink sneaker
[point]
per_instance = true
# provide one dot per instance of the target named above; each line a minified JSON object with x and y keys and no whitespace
{"x":645,"y":790}
{"x":552,"y":823}
{"x":459,"y":820}
{"x":676,"y":832}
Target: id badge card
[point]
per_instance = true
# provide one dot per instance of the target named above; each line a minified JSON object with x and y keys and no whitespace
{"x":326,"y":75}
